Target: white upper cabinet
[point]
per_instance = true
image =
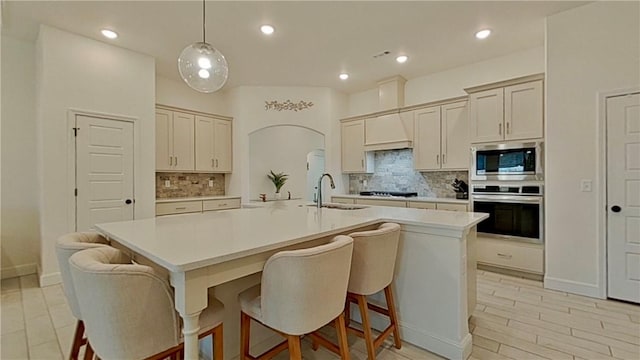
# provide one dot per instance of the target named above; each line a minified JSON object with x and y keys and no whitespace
{"x":513,"y":112}
{"x":354,"y":158}
{"x":213,"y":144}
{"x":441,"y":140}
{"x":174,"y":141}
{"x":523,"y":104}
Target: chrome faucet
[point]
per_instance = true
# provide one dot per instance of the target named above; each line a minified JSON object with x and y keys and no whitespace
{"x":333,"y":186}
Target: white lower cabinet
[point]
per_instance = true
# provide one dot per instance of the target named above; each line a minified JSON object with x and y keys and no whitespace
{"x":511,"y":254}
{"x":437,"y":206}
{"x":193,"y":206}
{"x":451,"y":207}
{"x":340,"y":200}
{"x":421,"y":205}
{"x":376,"y":202}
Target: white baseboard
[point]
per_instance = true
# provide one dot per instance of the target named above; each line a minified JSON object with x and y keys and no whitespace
{"x":20,"y":270}
{"x":448,"y":348}
{"x":573,"y":287}
{"x":50,"y":279}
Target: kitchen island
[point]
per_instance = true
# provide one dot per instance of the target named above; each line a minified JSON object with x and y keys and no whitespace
{"x":204,"y":250}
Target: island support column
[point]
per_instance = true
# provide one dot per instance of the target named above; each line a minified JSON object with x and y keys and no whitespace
{"x":190,"y":299}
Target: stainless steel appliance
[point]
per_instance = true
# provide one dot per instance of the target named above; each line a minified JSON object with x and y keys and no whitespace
{"x":507,"y":162}
{"x":516,"y":210}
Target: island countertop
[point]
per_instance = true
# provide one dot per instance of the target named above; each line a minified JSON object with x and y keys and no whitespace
{"x":216,"y":237}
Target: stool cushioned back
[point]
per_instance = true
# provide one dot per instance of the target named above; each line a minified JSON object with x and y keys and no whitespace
{"x":128,"y":309}
{"x":302,"y":290}
{"x":374,"y":259}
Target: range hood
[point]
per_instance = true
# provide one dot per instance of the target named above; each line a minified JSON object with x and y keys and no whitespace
{"x":389,"y":130}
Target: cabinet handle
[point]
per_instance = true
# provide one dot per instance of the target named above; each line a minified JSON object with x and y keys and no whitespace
{"x":216,"y":163}
{"x":438,"y":159}
{"x":181,"y":208}
{"x":508,"y":128}
{"x":362,"y":163}
{"x":170,"y":160}
{"x":444,"y":159}
{"x":500,"y":129}
{"x":176,"y":160}
{"x":212,"y":163}
{"x":225,"y":204}
{"x":506,"y":256}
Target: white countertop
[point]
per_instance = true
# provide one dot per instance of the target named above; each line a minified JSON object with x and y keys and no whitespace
{"x":196,"y":198}
{"x":220,"y":236}
{"x":402,"y":198}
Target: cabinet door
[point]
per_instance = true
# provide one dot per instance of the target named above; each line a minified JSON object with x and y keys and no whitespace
{"x":486,"y":113}
{"x":205,"y":160}
{"x":222,"y":146}
{"x":353,"y":156}
{"x":375,"y":202}
{"x":523,"y":111}
{"x":183,"y":138}
{"x":455,"y":138}
{"x":426,"y":150}
{"x":421,"y":205}
{"x":451,"y":207}
{"x":164,"y":140}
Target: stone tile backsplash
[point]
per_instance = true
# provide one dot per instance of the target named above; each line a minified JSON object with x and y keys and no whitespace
{"x":185,"y":185}
{"x":394,"y":172}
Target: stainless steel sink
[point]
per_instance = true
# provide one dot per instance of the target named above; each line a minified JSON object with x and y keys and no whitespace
{"x":342,"y":206}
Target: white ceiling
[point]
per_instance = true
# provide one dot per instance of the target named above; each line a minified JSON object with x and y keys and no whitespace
{"x":313,"y":42}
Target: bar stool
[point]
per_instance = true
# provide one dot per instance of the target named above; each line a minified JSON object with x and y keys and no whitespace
{"x":66,"y":246}
{"x":372,"y":266}
{"x":301,"y":291}
{"x":129,"y":310}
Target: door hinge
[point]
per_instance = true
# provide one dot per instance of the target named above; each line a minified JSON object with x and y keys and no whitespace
{"x":75,"y":131}
{"x":75,"y":192}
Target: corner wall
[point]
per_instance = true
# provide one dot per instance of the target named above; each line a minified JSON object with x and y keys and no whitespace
{"x":19,"y":210}
{"x":590,"y":49}
{"x":74,"y":72}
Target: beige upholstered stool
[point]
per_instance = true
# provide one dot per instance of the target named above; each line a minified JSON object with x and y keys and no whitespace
{"x":372,"y":266}
{"x":66,"y":246}
{"x":129,"y":311}
{"x":301,"y":291}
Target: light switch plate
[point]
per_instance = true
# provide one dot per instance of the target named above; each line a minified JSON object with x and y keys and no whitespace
{"x":167,"y":183}
{"x":210,"y":183}
{"x":585,"y":185}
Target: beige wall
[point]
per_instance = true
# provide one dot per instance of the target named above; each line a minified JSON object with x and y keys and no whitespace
{"x":451,"y":83}
{"x":176,"y":93}
{"x":19,"y":214}
{"x":591,"y":49}
{"x":74,"y":72}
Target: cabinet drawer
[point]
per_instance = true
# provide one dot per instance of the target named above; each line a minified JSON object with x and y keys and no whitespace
{"x":220,"y":204}
{"x":375,"y":202}
{"x":340,"y":200}
{"x":421,"y":205}
{"x":518,"y":256}
{"x":179,"y":207}
{"x":451,"y":207}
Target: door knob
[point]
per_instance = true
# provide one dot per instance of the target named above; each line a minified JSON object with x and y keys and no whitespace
{"x":615,"y":208}
{"x":128,"y":201}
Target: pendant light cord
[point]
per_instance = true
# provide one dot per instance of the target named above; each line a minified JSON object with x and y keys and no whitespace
{"x":204,"y":33}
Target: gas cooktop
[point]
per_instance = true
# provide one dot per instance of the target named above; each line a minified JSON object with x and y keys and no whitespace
{"x":388,"y":193}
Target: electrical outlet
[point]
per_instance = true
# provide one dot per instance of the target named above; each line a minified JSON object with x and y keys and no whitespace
{"x":364,"y":182}
{"x":210,"y":183}
{"x":585,"y":185}
{"x":167,"y":183}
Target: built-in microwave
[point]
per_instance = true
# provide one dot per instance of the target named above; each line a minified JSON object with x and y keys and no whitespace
{"x":508,"y":161}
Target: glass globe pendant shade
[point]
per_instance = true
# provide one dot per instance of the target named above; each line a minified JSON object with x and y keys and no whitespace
{"x":203,"y":67}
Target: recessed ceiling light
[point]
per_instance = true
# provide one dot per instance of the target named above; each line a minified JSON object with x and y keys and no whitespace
{"x":267,"y":29}
{"x":483,"y":34}
{"x":402,"y":59}
{"x":109,"y":34}
{"x":344,"y":76}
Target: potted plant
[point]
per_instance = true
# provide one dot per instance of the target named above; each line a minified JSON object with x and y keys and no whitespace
{"x":278,"y":181}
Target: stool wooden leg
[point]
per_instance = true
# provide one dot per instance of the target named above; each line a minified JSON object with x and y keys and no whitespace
{"x":295,"y":351}
{"x":88,"y":352}
{"x":245,"y":331}
{"x":341,"y":328}
{"x":217,"y":341}
{"x":347,"y":311}
{"x":366,"y":326}
{"x":391,"y":306}
{"x":77,"y":341}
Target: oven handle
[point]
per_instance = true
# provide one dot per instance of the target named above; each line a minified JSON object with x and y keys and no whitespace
{"x":508,"y":199}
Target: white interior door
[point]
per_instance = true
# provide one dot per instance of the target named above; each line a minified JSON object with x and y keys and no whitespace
{"x":104,"y":171}
{"x":623,"y":197}
{"x":315,"y":169}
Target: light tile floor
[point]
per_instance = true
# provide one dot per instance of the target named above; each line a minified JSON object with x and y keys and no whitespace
{"x":514,"y":319}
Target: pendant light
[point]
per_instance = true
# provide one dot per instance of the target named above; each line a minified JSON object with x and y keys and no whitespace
{"x":202,"y":66}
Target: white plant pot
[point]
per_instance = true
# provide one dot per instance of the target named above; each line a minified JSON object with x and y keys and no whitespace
{"x":278,"y":196}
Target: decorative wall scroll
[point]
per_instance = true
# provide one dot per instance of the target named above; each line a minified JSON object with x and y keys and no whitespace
{"x":287,"y":105}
